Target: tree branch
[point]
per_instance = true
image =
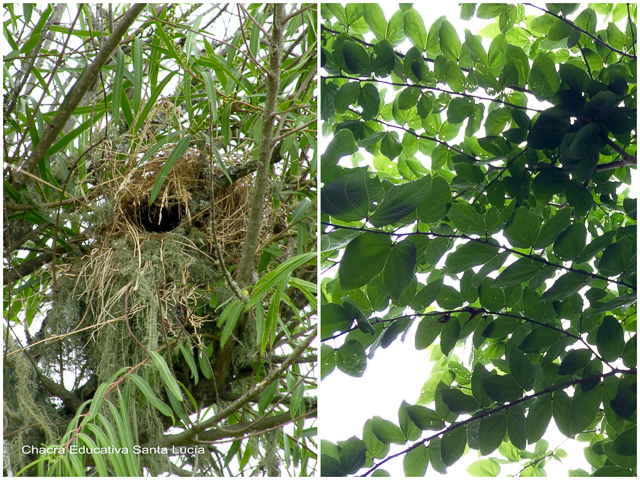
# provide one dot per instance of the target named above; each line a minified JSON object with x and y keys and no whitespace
{"x":494,"y":410}
{"x":76,"y":94}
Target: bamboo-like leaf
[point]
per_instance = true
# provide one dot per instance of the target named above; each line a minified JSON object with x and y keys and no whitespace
{"x":273,"y":277}
{"x":166,"y":375}
{"x":117,"y":461}
{"x":98,"y":458}
{"x":138,"y":76}
{"x":273,"y":315}
{"x":151,"y":102}
{"x":205,"y":366}
{"x":177,"y":153}
{"x":231,"y":319}
{"x":144,"y":387}
{"x":117,"y":85}
{"x":191,"y":361}
{"x":211,"y":95}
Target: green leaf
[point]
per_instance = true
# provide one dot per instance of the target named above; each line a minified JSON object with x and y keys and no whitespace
{"x":349,"y":197}
{"x":449,"y":41}
{"x":166,"y":375}
{"x":375,"y":447}
{"x":459,"y":402}
{"x":616,"y":258}
{"x":523,"y":228}
{"x":369,"y":100}
{"x":342,"y":144}
{"x":501,"y":327}
{"x":518,"y":273}
{"x":399,"y":270}
{"x":517,"y":427}
{"x":549,"y":129}
{"x":374,"y":16}
{"x":144,"y":387}
{"x":466,"y":219}
{"x":351,"y":358}
{"x":384,"y":58}
{"x":552,"y":228}
{"x":627,"y":443}
{"x":571,"y":242}
{"x":352,"y":455}
{"x":408,"y":97}
{"x":334,"y":319}
{"x":538,"y":418}
{"x":491,"y":432}
{"x":353,"y":272}
{"x":356,"y":59}
{"x":453,"y":444}
{"x":485,"y":467}
{"x":399,"y":201}
{"x":539,"y":339}
{"x":414,"y":29}
{"x":574,"y":361}
{"x":502,"y":388}
{"x":416,"y":461}
{"x":610,"y":339}
{"x":449,"y":298}
{"x":436,"y":201}
{"x":450,"y":334}
{"x":386,"y":431}
{"x":176,"y":154}
{"x":390,"y":145}
{"x":543,"y":79}
{"x":566,"y":285}
{"x":346,"y":96}
{"x":584,"y":408}
{"x":460,"y":109}
{"x":474,"y":44}
{"x":521,"y":369}
{"x":469,"y":255}
{"x":550,"y":181}
{"x":428,"y":330}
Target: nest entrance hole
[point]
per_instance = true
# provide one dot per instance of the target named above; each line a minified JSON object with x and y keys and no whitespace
{"x":159,"y":220}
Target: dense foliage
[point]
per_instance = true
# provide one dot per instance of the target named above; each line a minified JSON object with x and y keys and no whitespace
{"x":159,"y":239}
{"x":476,"y":191}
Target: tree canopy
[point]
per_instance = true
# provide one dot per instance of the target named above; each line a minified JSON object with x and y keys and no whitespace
{"x":159,"y":239}
{"x":476,"y":199}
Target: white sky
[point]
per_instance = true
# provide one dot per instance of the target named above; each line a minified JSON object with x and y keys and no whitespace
{"x":398,"y":372}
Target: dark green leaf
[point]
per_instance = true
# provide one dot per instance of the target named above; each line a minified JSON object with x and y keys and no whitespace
{"x":610,"y":339}
{"x":584,"y":408}
{"x":469,"y":255}
{"x":616,"y":258}
{"x":543,"y":79}
{"x":553,"y":227}
{"x":539,"y":339}
{"x":459,"y":402}
{"x":374,"y":16}
{"x":571,"y":242}
{"x":426,"y":296}
{"x":518,"y":273}
{"x":351,"y":358}
{"x":436,"y":201}
{"x":627,"y":442}
{"x":566,"y":285}
{"x":352,"y":455}
{"x":390,"y":145}
{"x":349,"y":197}
{"x":523,"y":228}
{"x":492,"y":431}
{"x":452,"y":446}
{"x":334,"y":319}
{"x":386,"y":431}
{"x":574,"y":361}
{"x":398,"y":272}
{"x":466,"y":219}
{"x":538,"y":418}
{"x":549,"y":129}
{"x":356,"y":58}
{"x":399,"y":201}
{"x":501,"y":327}
{"x":415,"y":462}
{"x":353,"y":272}
{"x":460,"y":109}
{"x":369,"y":100}
{"x":502,"y":388}
{"x":450,"y":334}
{"x":424,"y":418}
{"x":517,"y":427}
